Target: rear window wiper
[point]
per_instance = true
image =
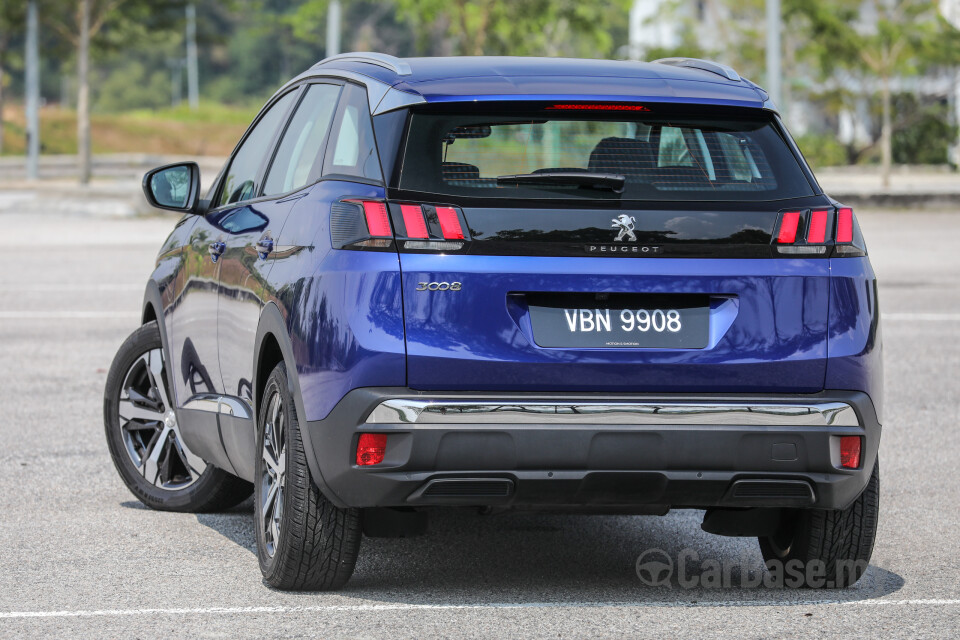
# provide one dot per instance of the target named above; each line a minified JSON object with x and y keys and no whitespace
{"x":610,"y":181}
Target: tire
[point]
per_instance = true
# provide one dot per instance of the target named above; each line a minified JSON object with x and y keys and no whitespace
{"x":841,"y":539}
{"x":304,"y":542}
{"x":144,"y":437}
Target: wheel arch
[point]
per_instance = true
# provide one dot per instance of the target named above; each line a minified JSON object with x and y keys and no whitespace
{"x":152,"y":310}
{"x":273,"y":346}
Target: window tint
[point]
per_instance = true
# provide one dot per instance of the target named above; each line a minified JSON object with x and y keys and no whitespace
{"x":352,"y":150}
{"x":240,"y":182}
{"x":731,"y":155}
{"x":300,"y":153}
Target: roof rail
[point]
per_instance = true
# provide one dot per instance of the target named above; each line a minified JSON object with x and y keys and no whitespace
{"x":703,"y":65}
{"x":384,"y":60}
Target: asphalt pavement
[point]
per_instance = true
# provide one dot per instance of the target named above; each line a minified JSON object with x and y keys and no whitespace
{"x":80,"y":557}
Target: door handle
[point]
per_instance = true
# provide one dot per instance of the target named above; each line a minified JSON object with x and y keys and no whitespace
{"x":216,"y":250}
{"x":264,"y":247}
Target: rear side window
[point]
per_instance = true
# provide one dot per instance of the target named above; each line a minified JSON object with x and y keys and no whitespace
{"x":738,"y":155}
{"x":240,"y":181}
{"x":300,"y":153}
{"x":352,"y":150}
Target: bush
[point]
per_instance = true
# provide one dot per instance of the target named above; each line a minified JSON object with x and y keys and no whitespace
{"x":925,"y":132}
{"x":823,"y":150}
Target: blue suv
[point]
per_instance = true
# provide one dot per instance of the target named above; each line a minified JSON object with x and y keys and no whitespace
{"x":508,"y":283}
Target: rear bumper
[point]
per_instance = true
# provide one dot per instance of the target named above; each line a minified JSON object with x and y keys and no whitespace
{"x":593,"y":452}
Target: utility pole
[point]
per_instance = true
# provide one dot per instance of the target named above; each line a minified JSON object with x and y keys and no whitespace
{"x":32,"y":61}
{"x":333,"y":28}
{"x":193,"y":72}
{"x":773,"y":53}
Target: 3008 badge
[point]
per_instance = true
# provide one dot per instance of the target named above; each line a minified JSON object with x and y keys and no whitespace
{"x":438,"y":286}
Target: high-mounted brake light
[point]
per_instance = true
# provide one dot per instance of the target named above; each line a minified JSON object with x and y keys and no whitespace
{"x":788,"y":227}
{"x":371,"y":448}
{"x":818,"y":226}
{"x":844,"y":224}
{"x":449,"y":223}
{"x":597,"y":107}
{"x":378,"y":222}
{"x":413,"y":220}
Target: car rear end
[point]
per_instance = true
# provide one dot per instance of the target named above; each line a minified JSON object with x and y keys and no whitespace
{"x":610,"y":306}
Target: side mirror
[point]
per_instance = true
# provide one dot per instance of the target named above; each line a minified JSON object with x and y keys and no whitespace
{"x":175,"y":187}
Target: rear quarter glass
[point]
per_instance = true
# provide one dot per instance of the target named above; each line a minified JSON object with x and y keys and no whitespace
{"x":668,"y":153}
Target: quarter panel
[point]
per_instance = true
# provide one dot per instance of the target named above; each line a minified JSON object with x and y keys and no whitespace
{"x":342,"y":309}
{"x":855,"y":343}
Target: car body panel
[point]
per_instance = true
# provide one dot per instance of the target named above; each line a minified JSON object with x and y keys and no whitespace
{"x":772,"y":337}
{"x":342,"y":309}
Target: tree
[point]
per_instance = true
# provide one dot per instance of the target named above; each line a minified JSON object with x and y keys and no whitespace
{"x":12,"y":15}
{"x":116,"y":22}
{"x":494,"y":27}
{"x":533,"y":27}
{"x":882,"y":38}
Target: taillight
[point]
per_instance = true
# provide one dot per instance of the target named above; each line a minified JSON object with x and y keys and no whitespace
{"x":818,"y":226}
{"x":849,"y":241}
{"x":449,"y":223}
{"x":413,"y":222}
{"x":788,"y":227}
{"x":815,"y":232}
{"x":360,"y":224}
{"x":845,"y":225}
{"x":363,"y":224}
{"x":371,"y":448}
{"x":424,"y":227}
{"x":378,"y":222}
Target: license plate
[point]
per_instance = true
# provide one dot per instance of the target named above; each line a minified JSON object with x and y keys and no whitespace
{"x":620,"y":321}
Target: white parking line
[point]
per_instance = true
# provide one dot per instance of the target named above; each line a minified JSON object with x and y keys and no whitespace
{"x":361,"y":608}
{"x":925,"y":317}
{"x":67,"y":315}
{"x":59,"y":287}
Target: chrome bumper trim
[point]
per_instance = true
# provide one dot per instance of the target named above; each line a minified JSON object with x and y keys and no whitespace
{"x":401,"y":410}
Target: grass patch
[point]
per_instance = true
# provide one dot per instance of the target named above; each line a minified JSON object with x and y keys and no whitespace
{"x":211,"y":130}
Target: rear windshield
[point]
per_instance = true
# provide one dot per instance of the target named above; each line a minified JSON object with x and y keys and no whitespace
{"x":725,"y":156}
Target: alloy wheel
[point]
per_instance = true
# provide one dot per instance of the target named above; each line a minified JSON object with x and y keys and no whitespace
{"x":149,"y":428}
{"x":274,"y":471}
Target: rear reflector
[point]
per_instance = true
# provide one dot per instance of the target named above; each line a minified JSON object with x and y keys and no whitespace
{"x":413,"y":221}
{"x":371,"y":448}
{"x":449,"y":223}
{"x":818,"y":226}
{"x":378,"y":222}
{"x":788,"y":227}
{"x":850,"y":452}
{"x":845,"y":224}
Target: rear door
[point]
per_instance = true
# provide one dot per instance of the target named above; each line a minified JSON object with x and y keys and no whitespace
{"x":250,"y":229}
{"x":545,"y":250}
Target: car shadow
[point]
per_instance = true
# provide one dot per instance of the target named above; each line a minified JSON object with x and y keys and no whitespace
{"x":527,"y":558}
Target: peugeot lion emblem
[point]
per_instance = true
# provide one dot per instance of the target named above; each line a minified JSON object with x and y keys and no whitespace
{"x":625,"y":224}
